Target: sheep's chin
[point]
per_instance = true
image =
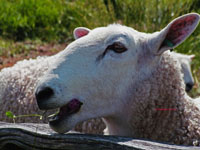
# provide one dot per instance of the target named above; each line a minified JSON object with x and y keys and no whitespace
{"x":65,"y":112}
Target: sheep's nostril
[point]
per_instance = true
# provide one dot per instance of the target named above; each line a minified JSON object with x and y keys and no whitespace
{"x":189,"y":86}
{"x":43,"y":94}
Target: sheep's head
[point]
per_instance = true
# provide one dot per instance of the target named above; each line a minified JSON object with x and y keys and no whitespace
{"x":186,"y":69}
{"x":92,"y":76}
{"x":185,"y":61}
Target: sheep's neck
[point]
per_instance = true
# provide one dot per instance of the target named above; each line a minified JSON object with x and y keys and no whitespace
{"x":117,"y":126}
{"x":158,"y":109}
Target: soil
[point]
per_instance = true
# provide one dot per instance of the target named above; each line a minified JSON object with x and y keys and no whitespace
{"x":38,"y":50}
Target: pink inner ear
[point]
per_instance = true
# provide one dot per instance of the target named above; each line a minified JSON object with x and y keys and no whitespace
{"x":81,"y":32}
{"x":192,"y":57}
{"x":180,"y":29}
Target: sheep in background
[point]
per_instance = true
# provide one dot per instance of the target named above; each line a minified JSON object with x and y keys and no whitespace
{"x":185,"y":61}
{"x":17,"y":84}
{"x":126,"y":77}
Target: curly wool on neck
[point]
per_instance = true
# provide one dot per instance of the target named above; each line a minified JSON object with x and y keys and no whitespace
{"x":179,"y":123}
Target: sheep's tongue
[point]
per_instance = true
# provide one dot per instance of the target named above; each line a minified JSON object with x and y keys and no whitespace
{"x":70,"y":108}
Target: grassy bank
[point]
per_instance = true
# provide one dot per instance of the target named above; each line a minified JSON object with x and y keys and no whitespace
{"x":55,"y":19}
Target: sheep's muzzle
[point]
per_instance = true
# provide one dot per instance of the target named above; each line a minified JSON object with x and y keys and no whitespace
{"x":70,"y":108}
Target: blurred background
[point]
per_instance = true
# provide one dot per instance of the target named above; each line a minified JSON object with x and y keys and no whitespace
{"x":29,"y":28}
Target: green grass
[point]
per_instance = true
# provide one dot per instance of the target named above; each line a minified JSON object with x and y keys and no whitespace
{"x":54,"y":20}
{"x":20,"y":19}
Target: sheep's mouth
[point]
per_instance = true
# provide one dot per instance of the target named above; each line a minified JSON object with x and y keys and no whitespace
{"x":65,"y":111}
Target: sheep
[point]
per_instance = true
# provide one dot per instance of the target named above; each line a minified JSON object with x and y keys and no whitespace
{"x":128,"y":78}
{"x":185,"y":61}
{"x":17,"y":84}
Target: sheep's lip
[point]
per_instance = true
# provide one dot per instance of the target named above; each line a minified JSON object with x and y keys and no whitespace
{"x":72,"y":107}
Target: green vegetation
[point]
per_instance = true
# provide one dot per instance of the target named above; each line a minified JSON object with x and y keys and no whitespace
{"x":9,"y":114}
{"x":54,"y":20}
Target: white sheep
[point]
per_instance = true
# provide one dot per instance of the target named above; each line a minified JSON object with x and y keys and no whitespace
{"x":127,"y":77}
{"x":185,"y":61}
{"x":17,"y":86}
{"x":18,"y":82}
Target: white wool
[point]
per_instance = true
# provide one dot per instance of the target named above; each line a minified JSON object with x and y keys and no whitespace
{"x":17,"y":85}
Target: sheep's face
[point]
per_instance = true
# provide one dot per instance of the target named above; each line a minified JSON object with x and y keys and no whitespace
{"x":185,"y":61}
{"x":93,"y":75}
{"x":186,"y":69}
{"x":89,"y":75}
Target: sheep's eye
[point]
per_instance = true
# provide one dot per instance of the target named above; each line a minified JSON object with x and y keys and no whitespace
{"x":117,"y":47}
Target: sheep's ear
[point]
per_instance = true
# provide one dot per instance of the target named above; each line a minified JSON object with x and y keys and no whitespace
{"x":80,"y":32}
{"x":191,"y":56}
{"x":174,"y":33}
